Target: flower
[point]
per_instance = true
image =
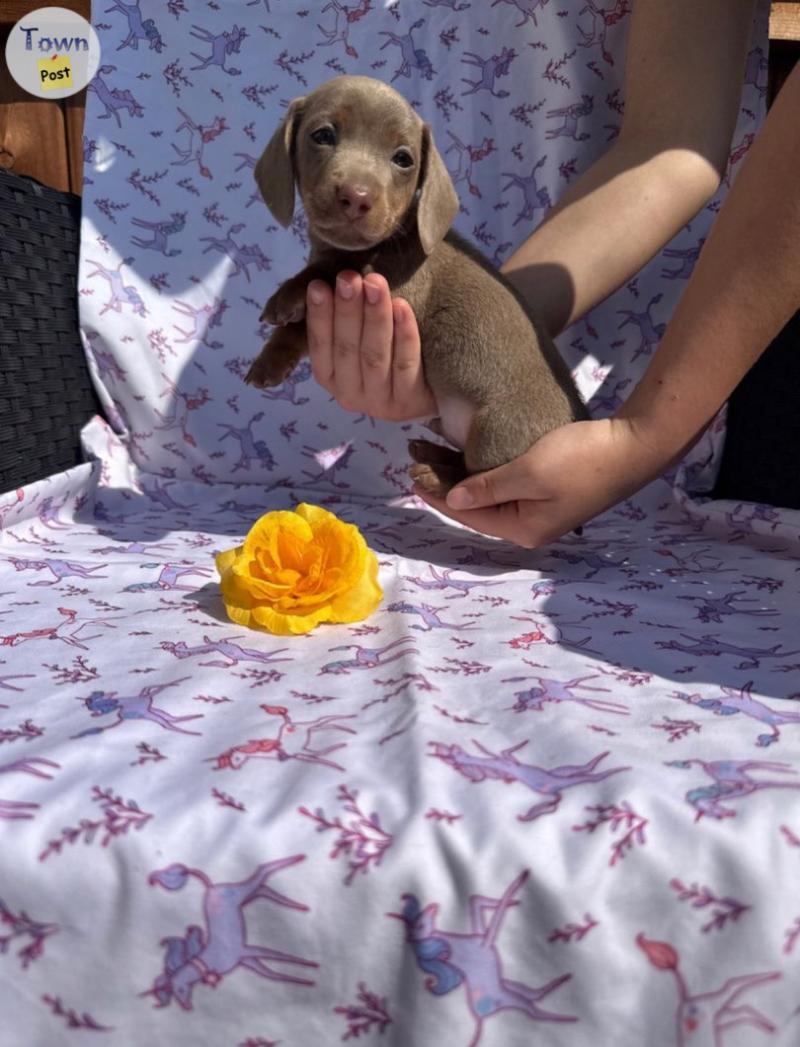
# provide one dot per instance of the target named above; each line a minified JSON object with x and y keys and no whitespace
{"x":297,"y":569}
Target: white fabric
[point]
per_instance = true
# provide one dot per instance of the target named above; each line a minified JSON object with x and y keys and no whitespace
{"x":598,"y":733}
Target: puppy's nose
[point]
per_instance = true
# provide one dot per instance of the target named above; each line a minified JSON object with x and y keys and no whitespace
{"x":355,"y":200}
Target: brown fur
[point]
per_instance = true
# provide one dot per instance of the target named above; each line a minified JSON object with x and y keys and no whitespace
{"x":482,"y":349}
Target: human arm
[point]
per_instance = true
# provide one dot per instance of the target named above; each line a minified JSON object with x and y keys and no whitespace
{"x":683,"y":79}
{"x":745,"y":287}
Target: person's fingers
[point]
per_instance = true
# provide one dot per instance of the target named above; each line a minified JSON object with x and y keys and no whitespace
{"x":347,"y":324}
{"x":408,"y":376}
{"x":376,"y":341}
{"x":501,"y":521}
{"x":319,"y":327}
{"x":493,"y":487}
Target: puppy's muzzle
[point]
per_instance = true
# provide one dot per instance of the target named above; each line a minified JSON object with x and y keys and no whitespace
{"x":355,"y":201}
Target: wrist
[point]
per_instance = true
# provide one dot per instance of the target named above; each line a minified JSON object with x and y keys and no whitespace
{"x":664,"y":420}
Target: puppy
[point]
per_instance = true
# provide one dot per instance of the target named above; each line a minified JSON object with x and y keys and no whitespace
{"x":378,"y":198}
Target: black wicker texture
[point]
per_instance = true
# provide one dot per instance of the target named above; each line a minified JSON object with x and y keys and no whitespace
{"x":46,"y":393}
{"x":761,"y":456}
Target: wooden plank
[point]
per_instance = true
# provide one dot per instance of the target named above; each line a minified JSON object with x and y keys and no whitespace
{"x":12,"y":10}
{"x":784,"y":21}
{"x":74,"y":112}
{"x":32,"y":133}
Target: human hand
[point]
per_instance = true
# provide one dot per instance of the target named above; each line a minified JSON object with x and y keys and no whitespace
{"x":569,"y":476}
{"x":365,"y":348}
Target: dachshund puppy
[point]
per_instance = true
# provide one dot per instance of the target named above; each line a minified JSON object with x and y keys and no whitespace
{"x":378,"y":198}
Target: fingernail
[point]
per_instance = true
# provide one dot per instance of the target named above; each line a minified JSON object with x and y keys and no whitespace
{"x":315,"y":294}
{"x":372,"y":292}
{"x":460,"y":498}
{"x":344,"y":289}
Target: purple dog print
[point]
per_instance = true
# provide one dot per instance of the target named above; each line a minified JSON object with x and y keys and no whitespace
{"x":207,"y":956}
{"x":452,"y":958}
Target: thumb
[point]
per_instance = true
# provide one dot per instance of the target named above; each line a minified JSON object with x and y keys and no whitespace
{"x":507,"y":483}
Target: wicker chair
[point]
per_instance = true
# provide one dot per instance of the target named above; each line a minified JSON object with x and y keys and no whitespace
{"x":46,"y":393}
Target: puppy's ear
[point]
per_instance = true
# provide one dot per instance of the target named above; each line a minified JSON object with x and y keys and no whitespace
{"x":438,"y":201}
{"x":274,"y":172}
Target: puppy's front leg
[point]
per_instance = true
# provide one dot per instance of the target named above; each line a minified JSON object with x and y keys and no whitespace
{"x":288,"y":304}
{"x":282,"y":352}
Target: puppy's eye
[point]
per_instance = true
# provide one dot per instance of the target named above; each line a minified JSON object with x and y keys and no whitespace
{"x":324,"y":136}
{"x":403,"y":158}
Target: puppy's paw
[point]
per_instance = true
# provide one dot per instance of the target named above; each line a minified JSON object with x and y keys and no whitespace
{"x":287,"y":305}
{"x":438,"y":468}
{"x":424,"y":451}
{"x":268,"y":370}
{"x":430,"y":479}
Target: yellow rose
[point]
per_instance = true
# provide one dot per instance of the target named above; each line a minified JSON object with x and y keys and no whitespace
{"x":297,"y":569}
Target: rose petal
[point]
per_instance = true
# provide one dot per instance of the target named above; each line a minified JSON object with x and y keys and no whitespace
{"x":226,"y":559}
{"x":263,"y":537}
{"x":361,"y":600}
{"x":237,"y":598}
{"x":315,"y":514}
{"x":239,"y":615}
{"x":293,"y":550}
{"x":271,"y":587}
{"x":283,"y":624}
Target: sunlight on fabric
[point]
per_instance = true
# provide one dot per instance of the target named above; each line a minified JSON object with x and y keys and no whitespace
{"x":328,"y":457}
{"x":103,"y":154}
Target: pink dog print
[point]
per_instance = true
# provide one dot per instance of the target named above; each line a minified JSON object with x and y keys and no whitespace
{"x":703,"y":1018}
{"x":293,"y":742}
